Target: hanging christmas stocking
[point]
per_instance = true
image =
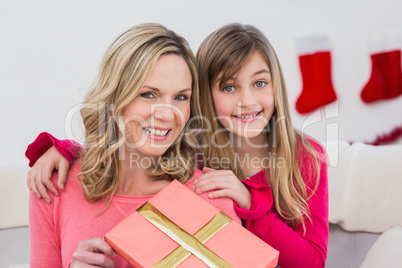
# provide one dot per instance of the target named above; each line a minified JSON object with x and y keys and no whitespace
{"x":315,"y":66}
{"x":386,"y":76}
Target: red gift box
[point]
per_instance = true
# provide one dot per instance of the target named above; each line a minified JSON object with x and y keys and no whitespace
{"x":177,"y":228}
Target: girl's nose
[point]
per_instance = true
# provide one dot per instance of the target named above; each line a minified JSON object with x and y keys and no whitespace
{"x":247,"y":98}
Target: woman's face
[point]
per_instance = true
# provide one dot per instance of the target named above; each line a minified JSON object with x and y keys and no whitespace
{"x":244,"y":104}
{"x":155,"y":118}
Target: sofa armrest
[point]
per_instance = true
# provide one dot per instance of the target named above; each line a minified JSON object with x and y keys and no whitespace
{"x":14,"y":196}
{"x":365,"y":186}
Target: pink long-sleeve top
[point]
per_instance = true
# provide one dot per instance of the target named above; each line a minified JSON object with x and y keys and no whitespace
{"x":57,"y":228}
{"x":296,"y":249}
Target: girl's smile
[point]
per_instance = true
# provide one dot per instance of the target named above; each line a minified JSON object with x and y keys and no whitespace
{"x":248,"y":117}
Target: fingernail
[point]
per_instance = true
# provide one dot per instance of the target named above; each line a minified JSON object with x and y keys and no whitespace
{"x":198,"y":190}
{"x":47,"y":200}
{"x":38,"y":196}
{"x":62,"y":186}
{"x":195,"y":181}
{"x":192,"y":187}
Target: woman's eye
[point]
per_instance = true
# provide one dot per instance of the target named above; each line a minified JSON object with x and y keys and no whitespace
{"x":182,"y":97}
{"x":228,"y":88}
{"x":147,"y":95}
{"x":260,"y":83}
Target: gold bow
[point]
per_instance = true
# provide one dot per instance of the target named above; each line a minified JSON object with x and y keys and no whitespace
{"x":188,"y":244}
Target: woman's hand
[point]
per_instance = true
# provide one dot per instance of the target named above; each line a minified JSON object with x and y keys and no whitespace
{"x":38,"y":177}
{"x":223,"y":183}
{"x":91,"y":253}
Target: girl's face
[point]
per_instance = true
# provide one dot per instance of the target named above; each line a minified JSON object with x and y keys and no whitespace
{"x":244,"y":104}
{"x":155,"y":118}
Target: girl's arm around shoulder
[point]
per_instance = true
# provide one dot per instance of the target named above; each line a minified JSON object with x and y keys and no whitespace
{"x":70,"y":149}
{"x":47,"y":154}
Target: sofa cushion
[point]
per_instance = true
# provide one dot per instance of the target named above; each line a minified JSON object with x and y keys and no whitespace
{"x":386,"y":251}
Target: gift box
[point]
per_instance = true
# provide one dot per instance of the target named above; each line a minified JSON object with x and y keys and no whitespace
{"x":177,"y":228}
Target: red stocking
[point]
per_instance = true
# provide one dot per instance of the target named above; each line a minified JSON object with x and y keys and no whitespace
{"x":315,"y":66}
{"x":386,"y":77}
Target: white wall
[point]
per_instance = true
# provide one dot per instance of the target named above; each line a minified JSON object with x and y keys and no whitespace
{"x":50,"y":52}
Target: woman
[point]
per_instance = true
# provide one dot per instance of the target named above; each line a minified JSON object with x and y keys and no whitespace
{"x":134,"y":117}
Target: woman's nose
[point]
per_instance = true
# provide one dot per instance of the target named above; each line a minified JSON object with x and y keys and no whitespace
{"x":164,"y":112}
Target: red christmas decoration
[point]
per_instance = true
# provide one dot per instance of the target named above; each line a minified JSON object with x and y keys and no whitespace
{"x":386,"y":77}
{"x":388,"y":138}
{"x":315,"y":67}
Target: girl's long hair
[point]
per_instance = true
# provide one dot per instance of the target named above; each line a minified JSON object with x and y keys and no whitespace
{"x":123,"y":71}
{"x":223,"y":53}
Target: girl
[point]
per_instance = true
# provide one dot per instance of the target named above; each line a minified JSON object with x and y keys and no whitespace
{"x":276,"y":176}
{"x":136,"y":109}
{"x":283,"y":194}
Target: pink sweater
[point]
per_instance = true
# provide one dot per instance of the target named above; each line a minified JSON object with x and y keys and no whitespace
{"x":57,"y":228}
{"x":296,"y":249}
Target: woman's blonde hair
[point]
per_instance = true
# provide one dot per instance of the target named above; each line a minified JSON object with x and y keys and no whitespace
{"x":123,"y":71}
{"x":223,"y":53}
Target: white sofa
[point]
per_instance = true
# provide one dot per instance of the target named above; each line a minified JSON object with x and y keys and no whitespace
{"x":365,"y":208}
{"x":365,"y":205}
{"x":14,"y":233}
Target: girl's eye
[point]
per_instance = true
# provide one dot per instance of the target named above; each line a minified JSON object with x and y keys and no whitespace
{"x":182,"y":97}
{"x":147,"y":95}
{"x":260,"y":83}
{"x":228,"y":89}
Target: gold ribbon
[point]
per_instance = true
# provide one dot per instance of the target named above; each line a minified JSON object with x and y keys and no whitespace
{"x":188,"y":244}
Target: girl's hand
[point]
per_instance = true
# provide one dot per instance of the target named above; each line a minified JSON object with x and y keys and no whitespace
{"x":38,"y":177}
{"x":91,"y":253}
{"x":223,"y":183}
